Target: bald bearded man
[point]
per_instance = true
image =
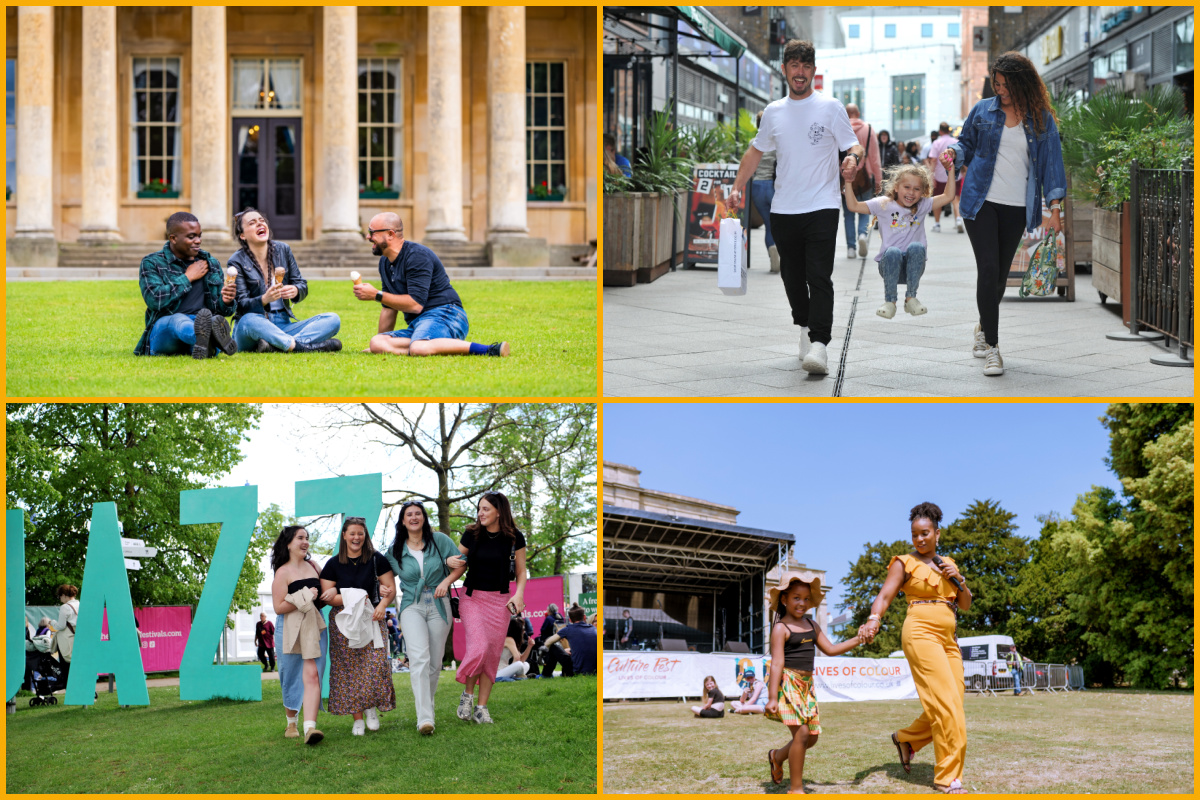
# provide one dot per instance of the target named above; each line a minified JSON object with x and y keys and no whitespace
{"x":415,"y":283}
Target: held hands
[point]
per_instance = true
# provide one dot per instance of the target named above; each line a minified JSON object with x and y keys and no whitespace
{"x":849,"y":167}
{"x":196,"y":270}
{"x":947,"y":159}
{"x":364,"y":291}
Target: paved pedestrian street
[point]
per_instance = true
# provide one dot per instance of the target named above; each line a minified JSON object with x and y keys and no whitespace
{"x":680,"y":337}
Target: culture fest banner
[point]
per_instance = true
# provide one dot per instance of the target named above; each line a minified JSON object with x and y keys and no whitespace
{"x":649,"y":674}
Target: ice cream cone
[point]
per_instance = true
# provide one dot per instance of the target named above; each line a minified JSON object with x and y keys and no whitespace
{"x":230,"y":275}
{"x":356,"y":277}
{"x":279,"y":273}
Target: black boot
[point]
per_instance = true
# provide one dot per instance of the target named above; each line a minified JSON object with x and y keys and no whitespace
{"x":203,"y":329}
{"x":221,"y":337}
{"x":327,"y":346}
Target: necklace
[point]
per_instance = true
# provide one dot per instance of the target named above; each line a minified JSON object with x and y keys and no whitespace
{"x":493,"y":535}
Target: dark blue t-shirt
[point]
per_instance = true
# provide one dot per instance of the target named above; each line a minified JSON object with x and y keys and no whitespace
{"x":419,"y":273}
{"x":583,"y":646}
{"x":193,"y":301}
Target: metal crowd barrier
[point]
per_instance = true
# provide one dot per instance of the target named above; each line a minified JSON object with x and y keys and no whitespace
{"x":1035,"y":677}
{"x":1075,"y":678}
{"x":1161,"y":258}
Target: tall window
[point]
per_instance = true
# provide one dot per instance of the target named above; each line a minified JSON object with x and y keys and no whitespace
{"x":380,"y":126}
{"x":156,"y":143}
{"x":850,"y":91}
{"x":908,"y":107}
{"x":1183,"y":42}
{"x":546,"y":128}
{"x":266,"y":84}
{"x":889,"y":31}
{"x":10,"y":124}
{"x":926,"y":30}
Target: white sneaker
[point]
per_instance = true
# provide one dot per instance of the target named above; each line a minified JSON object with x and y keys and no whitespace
{"x":372,"y":719}
{"x":852,"y":252}
{"x":937,"y":227}
{"x":804,"y":343}
{"x":773,"y":252}
{"x":980,"y":347}
{"x":993,"y":364}
{"x":359,"y":728}
{"x":817,"y":360}
{"x":466,"y":704}
{"x":914,"y":306}
{"x":958,"y":224}
{"x":426,"y":728}
{"x":887,"y":310}
{"x":862,"y":245}
{"x":481,"y":716}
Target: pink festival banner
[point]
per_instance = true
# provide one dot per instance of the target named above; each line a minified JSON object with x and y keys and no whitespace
{"x":539,"y":593}
{"x":163,"y":632}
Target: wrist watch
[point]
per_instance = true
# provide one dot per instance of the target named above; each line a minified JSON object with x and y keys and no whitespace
{"x":857,"y":158}
{"x":379,"y":297}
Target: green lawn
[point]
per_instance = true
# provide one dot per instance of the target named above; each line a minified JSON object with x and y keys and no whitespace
{"x":1089,"y":742}
{"x":76,"y":339}
{"x":543,"y":741}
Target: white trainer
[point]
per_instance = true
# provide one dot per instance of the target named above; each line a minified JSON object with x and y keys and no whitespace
{"x":852,"y":252}
{"x":773,"y":252}
{"x":466,"y":705}
{"x":359,"y":728}
{"x":980,"y":347}
{"x":481,"y":716}
{"x":804,"y":343}
{"x":958,"y":224}
{"x":862,"y":245}
{"x":887,"y":310}
{"x":372,"y":719}
{"x":993,"y":364}
{"x":817,"y":360}
{"x":914,"y":306}
{"x":937,"y":227}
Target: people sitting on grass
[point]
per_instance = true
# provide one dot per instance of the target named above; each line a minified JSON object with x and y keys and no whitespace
{"x":268,"y":280}
{"x":754,"y":696}
{"x":581,"y":636}
{"x":187,"y":296}
{"x":415,"y":283}
{"x":714,"y":700}
{"x":514,"y":658}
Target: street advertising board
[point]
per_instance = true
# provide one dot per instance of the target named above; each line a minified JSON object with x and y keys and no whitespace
{"x":539,"y":593}
{"x":647,"y":674}
{"x":707,"y":206}
{"x":588,"y":602}
{"x":163,"y":633}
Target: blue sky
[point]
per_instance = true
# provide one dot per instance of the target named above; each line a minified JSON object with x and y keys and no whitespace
{"x":840,"y":476}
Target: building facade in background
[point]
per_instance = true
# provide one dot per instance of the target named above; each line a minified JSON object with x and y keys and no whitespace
{"x":474,"y":124}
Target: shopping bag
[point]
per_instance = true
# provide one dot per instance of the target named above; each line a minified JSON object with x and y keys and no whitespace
{"x":1042,"y":273}
{"x":731,"y":257}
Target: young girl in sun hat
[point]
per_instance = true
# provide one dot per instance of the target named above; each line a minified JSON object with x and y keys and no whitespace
{"x":794,"y":639}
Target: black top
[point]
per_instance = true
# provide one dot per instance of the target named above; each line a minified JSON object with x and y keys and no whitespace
{"x":716,"y":695}
{"x":193,"y":301}
{"x":488,"y":559}
{"x":357,"y":573}
{"x":315,"y":583}
{"x":800,"y":648}
{"x":418,"y":273}
{"x":250,"y":284}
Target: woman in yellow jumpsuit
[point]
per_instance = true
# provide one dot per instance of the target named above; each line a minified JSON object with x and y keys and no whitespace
{"x":931,"y":648}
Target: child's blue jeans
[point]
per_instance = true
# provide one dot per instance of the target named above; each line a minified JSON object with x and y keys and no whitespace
{"x":902,"y":267}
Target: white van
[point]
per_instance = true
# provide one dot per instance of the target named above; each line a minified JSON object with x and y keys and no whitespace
{"x":983,"y":657}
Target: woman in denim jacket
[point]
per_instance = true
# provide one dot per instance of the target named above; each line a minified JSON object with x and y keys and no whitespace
{"x":1010,"y":142}
{"x":267,"y":280}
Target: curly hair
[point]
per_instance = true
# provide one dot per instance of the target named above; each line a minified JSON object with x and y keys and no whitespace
{"x":926,"y":511}
{"x":799,"y":50}
{"x":891,"y":181}
{"x":1025,"y":87}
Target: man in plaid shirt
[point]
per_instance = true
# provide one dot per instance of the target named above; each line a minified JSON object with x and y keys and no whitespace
{"x":187,"y":298}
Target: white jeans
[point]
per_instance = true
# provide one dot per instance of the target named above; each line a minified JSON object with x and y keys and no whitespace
{"x":513,"y":670}
{"x":425,"y":635}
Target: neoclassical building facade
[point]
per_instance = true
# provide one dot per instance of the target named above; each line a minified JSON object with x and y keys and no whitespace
{"x":475,"y":124}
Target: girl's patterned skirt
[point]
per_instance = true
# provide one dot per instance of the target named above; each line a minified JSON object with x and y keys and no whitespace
{"x":797,"y":701}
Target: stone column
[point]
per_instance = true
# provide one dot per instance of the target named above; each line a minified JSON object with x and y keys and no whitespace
{"x":210,"y":125}
{"x":509,"y":243}
{"x":339,"y":125}
{"x":33,"y":243}
{"x":445,"y":125}
{"x":99,"y":134}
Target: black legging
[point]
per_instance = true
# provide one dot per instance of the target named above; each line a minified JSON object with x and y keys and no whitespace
{"x":995,"y":235}
{"x":264,"y":653}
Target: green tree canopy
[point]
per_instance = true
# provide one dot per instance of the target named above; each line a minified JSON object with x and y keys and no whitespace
{"x":139,"y":456}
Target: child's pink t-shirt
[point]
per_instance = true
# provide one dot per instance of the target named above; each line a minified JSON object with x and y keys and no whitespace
{"x":898,"y":226}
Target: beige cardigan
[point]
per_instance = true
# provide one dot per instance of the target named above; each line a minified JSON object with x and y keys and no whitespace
{"x":302,"y":627}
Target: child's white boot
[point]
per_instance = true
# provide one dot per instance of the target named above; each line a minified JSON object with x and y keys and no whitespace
{"x":887,"y":310}
{"x":914,"y":306}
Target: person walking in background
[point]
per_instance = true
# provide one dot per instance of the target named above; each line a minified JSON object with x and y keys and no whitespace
{"x":889,"y":152}
{"x":495,"y":557}
{"x":944,"y":140}
{"x":303,"y":642}
{"x":866,"y":182}
{"x":805,"y":130}
{"x":912,"y":153}
{"x":418,"y":556}
{"x":359,"y":583}
{"x":393,"y":632}
{"x":935,"y":591}
{"x":264,"y":640}
{"x":762,"y":192}
{"x":1010,"y":142}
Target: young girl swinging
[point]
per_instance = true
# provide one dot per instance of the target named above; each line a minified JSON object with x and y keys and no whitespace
{"x":794,"y":639}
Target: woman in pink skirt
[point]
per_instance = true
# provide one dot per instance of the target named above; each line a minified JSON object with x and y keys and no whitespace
{"x":494,"y":552}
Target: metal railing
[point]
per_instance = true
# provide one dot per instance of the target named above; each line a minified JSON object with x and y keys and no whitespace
{"x":1052,"y":678}
{"x":1162,"y":256}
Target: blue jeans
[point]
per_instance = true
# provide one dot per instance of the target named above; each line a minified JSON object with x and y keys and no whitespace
{"x":906,"y":267}
{"x":280,"y":332}
{"x":1016,"y":672}
{"x":761,"y":194}
{"x":863,"y":219}
{"x":440,"y":322}
{"x":173,"y":335}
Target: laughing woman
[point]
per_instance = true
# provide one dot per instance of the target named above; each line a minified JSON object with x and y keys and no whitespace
{"x":302,"y":642}
{"x":267,"y":281}
{"x":930,"y":646}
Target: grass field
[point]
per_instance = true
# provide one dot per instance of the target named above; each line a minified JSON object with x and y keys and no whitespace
{"x":543,"y":741}
{"x":1090,"y":742}
{"x":76,"y":339}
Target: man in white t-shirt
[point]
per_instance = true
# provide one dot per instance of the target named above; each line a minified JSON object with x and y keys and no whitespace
{"x":806,"y":130}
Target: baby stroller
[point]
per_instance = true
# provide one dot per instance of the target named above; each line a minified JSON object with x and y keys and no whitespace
{"x":47,"y":677}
